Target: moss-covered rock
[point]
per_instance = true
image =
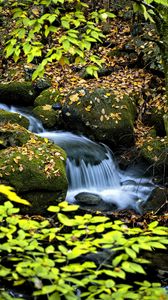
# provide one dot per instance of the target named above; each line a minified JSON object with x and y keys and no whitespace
{"x":155,"y":150}
{"x":49,"y":96}
{"x":48,"y":116}
{"x":12,"y":135}
{"x":165,"y":118}
{"x":44,"y":104}
{"x":156,"y":201}
{"x":19,"y":93}
{"x":100,"y":115}
{"x":6,"y":116}
{"x":154,"y":117}
{"x":34,"y":165}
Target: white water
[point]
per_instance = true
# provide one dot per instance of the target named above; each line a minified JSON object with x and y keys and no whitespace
{"x":92,"y":168}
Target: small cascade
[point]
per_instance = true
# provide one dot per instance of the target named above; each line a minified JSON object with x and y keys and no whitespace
{"x":35,"y":125}
{"x":91,"y":167}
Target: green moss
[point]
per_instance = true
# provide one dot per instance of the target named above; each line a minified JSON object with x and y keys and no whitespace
{"x":13,"y":135}
{"x":47,"y":115}
{"x":154,"y":150}
{"x":49,"y":96}
{"x":34,"y":164}
{"x":165,"y":118}
{"x":20,"y":93}
{"x":34,"y":167}
{"x":6,"y":116}
{"x":101,"y":114}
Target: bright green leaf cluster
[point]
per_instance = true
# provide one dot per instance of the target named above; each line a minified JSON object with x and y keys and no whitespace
{"x":72,"y":31}
{"x":72,"y":256}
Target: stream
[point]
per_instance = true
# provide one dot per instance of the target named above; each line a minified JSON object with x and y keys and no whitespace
{"x":92,"y":168}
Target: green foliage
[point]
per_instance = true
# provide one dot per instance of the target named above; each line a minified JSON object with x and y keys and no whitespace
{"x":50,"y":258}
{"x":8,"y":191}
{"x":150,"y":8}
{"x":70,"y":26}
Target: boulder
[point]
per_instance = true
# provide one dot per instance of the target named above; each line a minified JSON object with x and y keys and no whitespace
{"x":165,"y":118}
{"x":44,"y":107}
{"x":47,"y":115}
{"x":88,"y":198}
{"x":18,"y":93}
{"x":155,"y":117}
{"x":154,"y":150}
{"x":48,"y":96}
{"x":100,"y":115}
{"x":12,"y":135}
{"x":6,"y":116}
{"x":156,"y":202}
{"x":32,"y":165}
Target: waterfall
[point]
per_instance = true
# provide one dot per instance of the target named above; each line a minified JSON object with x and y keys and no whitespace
{"x":91,"y":167}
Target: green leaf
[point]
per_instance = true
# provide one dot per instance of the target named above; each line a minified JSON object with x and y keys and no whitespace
{"x":131,"y":253}
{"x":8,"y":191}
{"x":65,"y":220}
{"x":153,"y":225}
{"x":54,"y":296}
{"x":54,"y":209}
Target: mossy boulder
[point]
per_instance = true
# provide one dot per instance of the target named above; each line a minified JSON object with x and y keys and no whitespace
{"x":34,"y":165}
{"x":47,"y":115}
{"x":100,"y":115}
{"x":165,"y":118}
{"x":154,"y":150}
{"x":18,"y":93}
{"x":49,"y":96}
{"x":44,"y":104}
{"x":12,"y":135}
{"x":6,"y":116}
{"x":154,"y":117}
{"x":156,"y":202}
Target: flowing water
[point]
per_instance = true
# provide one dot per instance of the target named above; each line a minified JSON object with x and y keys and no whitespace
{"x":92,"y":168}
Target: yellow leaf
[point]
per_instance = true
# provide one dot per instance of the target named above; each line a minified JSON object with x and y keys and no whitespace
{"x":149,"y":148}
{"x":88,"y":108}
{"x":46,"y":140}
{"x":74,"y":97}
{"x":47,"y":107}
{"x":8,"y":191}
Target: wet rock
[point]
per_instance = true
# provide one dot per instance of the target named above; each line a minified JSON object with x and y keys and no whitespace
{"x":48,"y":116}
{"x":154,"y":117}
{"x":12,"y":135}
{"x":165,"y":118}
{"x":29,"y":163}
{"x":154,"y":150}
{"x":49,"y":96}
{"x":41,"y":84}
{"x":18,"y":93}
{"x":45,"y":105}
{"x":101,"y":116}
{"x":88,"y":198}
{"x":156,"y":201}
{"x":10,"y":117}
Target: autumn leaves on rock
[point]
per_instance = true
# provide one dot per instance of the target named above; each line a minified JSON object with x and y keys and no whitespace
{"x":32,"y":164}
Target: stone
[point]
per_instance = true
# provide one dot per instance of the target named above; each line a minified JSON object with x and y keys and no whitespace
{"x":6,"y":116}
{"x":49,"y":96}
{"x":33,"y":165}
{"x":47,"y":115}
{"x":100,"y":115}
{"x":156,"y":202}
{"x":165,"y":118}
{"x":18,"y":93}
{"x":154,"y":150}
{"x":88,"y":198}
